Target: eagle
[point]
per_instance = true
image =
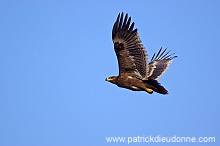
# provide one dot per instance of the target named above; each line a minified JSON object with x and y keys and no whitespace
{"x":135,"y":73}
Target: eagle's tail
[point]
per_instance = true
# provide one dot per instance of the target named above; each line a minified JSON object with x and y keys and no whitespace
{"x":156,"y":86}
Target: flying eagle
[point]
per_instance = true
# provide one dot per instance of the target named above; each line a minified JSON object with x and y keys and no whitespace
{"x":135,"y":73}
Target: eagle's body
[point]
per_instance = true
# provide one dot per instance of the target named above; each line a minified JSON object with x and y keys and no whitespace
{"x":134,"y":71}
{"x":131,"y":83}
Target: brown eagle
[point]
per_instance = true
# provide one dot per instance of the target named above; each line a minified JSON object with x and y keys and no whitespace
{"x":135,"y":73}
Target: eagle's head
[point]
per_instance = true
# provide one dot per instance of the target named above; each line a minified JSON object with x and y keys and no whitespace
{"x":111,"y":79}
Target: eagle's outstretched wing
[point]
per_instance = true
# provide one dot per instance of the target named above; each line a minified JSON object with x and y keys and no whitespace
{"x":159,"y":63}
{"x":131,"y":54}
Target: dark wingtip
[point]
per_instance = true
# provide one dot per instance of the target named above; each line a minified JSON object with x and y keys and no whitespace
{"x":131,"y":27}
{"x":163,"y":55}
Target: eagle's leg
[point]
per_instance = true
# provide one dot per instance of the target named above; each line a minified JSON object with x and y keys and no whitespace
{"x":139,"y":86}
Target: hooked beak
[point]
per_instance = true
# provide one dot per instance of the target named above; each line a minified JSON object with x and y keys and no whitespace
{"x":108,"y":79}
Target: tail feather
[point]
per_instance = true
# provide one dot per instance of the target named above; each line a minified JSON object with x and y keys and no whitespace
{"x":156,"y":86}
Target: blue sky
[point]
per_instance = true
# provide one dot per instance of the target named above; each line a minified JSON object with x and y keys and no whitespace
{"x":55,"y":56}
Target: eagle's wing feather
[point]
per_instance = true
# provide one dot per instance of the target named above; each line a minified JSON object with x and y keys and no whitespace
{"x":159,"y":63}
{"x":131,"y":54}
